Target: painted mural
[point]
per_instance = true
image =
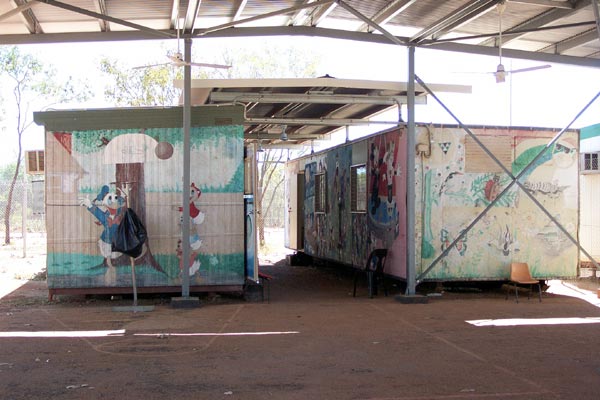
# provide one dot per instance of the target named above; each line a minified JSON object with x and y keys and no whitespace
{"x":453,"y":189}
{"x":386,"y":191}
{"x":455,"y":182}
{"x":348,"y":237}
{"x":94,"y":176}
{"x":327,"y":234}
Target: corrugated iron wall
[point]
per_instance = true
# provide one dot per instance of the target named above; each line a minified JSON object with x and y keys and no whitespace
{"x":93,"y":175}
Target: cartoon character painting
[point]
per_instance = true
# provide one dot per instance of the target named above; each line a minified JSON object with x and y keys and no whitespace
{"x":108,"y":208}
{"x":197,"y":218}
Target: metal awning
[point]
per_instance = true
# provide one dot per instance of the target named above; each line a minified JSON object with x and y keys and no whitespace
{"x":307,"y":108}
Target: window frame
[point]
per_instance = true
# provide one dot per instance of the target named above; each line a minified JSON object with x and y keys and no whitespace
{"x":354,"y":193}
{"x":321,"y":192}
{"x":582,"y":162}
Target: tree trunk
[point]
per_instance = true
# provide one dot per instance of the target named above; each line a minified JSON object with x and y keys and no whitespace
{"x":11,"y":190}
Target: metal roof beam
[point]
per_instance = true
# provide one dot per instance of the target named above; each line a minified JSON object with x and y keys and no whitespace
{"x":284,"y":11}
{"x":572,"y":42}
{"x":318,"y":121}
{"x":298,"y":31}
{"x":464,"y":14}
{"x":596,"y":7}
{"x":100,"y":6}
{"x":546,"y":3}
{"x":28,"y":17}
{"x":18,"y":9}
{"x":384,"y":15}
{"x":319,"y":13}
{"x":104,"y":17}
{"x":546,"y":18}
{"x":239,"y":9}
{"x":370,"y":38}
{"x":190,"y":15}
{"x":300,"y":16}
{"x":259,"y":135}
{"x":374,"y":25}
{"x":174,"y":14}
{"x":311,"y":98}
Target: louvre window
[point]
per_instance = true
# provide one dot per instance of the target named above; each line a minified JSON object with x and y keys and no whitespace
{"x":320,"y":193}
{"x":358,"y":191}
{"x":589,"y":162}
{"x":34,"y":161}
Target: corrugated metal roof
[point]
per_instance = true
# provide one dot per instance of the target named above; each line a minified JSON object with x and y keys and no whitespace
{"x":33,"y":21}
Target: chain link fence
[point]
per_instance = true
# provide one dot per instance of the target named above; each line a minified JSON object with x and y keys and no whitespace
{"x":28,"y":195}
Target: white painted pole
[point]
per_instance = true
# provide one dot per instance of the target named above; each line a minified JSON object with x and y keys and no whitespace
{"x":24,"y":218}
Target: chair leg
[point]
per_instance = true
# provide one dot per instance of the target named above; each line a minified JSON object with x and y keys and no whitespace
{"x":540,"y":292}
{"x":355,"y":279}
{"x":516,"y":293}
{"x":385,"y":290}
{"x":370,"y":283}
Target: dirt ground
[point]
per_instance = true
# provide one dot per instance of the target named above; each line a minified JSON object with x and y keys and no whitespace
{"x":310,"y":340}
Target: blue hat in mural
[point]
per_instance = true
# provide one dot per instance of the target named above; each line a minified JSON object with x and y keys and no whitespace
{"x":103,"y":192}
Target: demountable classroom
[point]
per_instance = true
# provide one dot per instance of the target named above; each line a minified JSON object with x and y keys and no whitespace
{"x":472,"y":219}
{"x":101,"y":162}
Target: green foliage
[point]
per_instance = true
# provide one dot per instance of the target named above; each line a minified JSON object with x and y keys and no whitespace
{"x":33,"y":80}
{"x":141,"y":87}
{"x":270,"y":62}
{"x":7,"y":172}
{"x":32,"y":83}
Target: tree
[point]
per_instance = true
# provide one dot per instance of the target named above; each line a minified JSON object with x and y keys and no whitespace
{"x":32,"y":82}
{"x":151,"y":86}
{"x":270,"y":179}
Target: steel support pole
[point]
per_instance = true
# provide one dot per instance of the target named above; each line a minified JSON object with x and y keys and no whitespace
{"x":185,"y":201}
{"x":410,"y":178}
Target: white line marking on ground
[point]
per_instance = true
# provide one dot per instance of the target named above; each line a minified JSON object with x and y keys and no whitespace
{"x":62,"y":334}
{"x":217,"y":334}
{"x":534,"y":321}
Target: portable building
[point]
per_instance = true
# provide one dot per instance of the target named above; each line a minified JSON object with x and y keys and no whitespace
{"x":590,"y":192}
{"x":472,"y":218}
{"x":102,"y":162}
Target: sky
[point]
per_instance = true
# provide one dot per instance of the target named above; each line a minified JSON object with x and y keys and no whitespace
{"x":544,"y":98}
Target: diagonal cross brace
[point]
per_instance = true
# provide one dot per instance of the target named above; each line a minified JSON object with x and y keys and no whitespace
{"x":514,"y":179}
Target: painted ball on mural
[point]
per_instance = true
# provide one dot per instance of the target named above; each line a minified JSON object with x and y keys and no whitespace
{"x":164,"y":150}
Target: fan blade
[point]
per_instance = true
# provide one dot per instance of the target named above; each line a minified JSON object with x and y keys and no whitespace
{"x":150,"y":66}
{"x":514,"y":71}
{"x":195,"y":64}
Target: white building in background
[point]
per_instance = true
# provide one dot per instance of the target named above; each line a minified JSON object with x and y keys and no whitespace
{"x":589,"y":227}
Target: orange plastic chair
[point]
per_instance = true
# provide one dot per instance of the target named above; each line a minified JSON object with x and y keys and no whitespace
{"x":374,"y":272}
{"x":520,"y":275}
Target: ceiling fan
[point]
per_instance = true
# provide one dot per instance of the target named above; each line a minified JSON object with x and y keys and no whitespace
{"x":501,"y":72}
{"x":176,"y":59}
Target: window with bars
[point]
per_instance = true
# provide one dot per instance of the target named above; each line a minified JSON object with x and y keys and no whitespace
{"x":358,"y":188}
{"x":320,"y":193}
{"x":589,"y":162}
